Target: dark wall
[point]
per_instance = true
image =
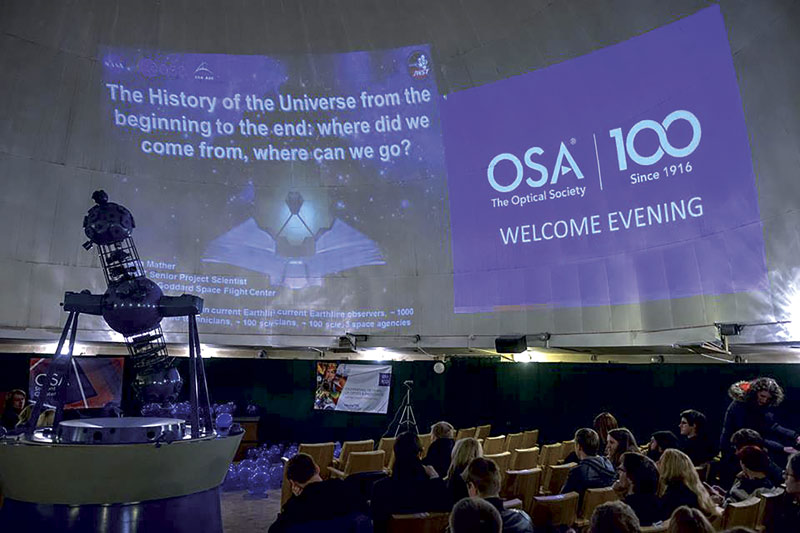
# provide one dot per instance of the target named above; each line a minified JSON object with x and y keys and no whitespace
{"x":557,"y":398}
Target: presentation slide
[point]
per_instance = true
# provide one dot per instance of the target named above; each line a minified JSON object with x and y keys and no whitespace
{"x":618,"y":177}
{"x":289,"y":192}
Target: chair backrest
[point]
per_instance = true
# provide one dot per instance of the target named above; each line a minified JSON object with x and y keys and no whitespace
{"x":418,"y":523}
{"x":594,"y":497}
{"x":322,"y":454}
{"x":522,"y":484}
{"x":425,"y":441}
{"x":558,"y":510}
{"x":513,"y":441}
{"x":351,"y":446}
{"x":387,"y":445}
{"x":466,"y":432}
{"x":567,"y":447}
{"x":550,"y":454}
{"x":703,"y":471}
{"x":661,"y":528}
{"x":371,"y":461}
{"x":524,"y":458}
{"x":744,"y":513}
{"x":493,"y":445}
{"x":483,"y":431}
{"x":768,"y":509}
{"x":286,"y":490}
{"x":503,"y":461}
{"x":555,"y":476}
{"x":530,"y":438}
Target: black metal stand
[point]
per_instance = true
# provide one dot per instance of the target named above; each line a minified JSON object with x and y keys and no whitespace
{"x":406,"y":412}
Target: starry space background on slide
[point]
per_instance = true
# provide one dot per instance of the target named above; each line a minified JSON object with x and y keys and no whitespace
{"x":183,"y":204}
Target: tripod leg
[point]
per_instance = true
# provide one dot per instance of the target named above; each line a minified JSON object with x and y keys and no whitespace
{"x":203,"y":399}
{"x":194,"y":417}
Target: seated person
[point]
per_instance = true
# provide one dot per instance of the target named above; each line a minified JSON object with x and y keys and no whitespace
{"x":483,"y":481}
{"x":474,"y":515}
{"x":464,"y":451}
{"x":310,"y":494}
{"x":638,"y":487}
{"x":603,"y":423}
{"x":689,"y":520}
{"x":787,"y":515}
{"x":14,"y":404}
{"x":441,"y":448}
{"x":749,"y":437}
{"x":412,"y":488}
{"x":620,"y":440}
{"x":694,"y":441}
{"x":679,"y":484}
{"x":660,"y":441}
{"x":593,"y":471}
{"x":755,"y":464}
{"x":614,"y":517}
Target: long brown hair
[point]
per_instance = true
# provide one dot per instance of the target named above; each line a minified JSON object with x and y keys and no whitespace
{"x":627,"y":443}
{"x":603,"y":423}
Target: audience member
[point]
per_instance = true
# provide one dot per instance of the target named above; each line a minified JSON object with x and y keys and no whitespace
{"x":464,"y":451}
{"x":483,"y":481}
{"x":614,"y":517}
{"x":638,"y":487}
{"x":679,"y":485}
{"x":593,"y":471}
{"x":749,"y":437}
{"x":310,"y":494}
{"x":603,"y":423}
{"x":755,"y":464}
{"x":441,"y":447}
{"x":660,"y":441}
{"x":14,"y":404}
{"x":695,"y":441}
{"x":620,"y":441}
{"x":473,"y":515}
{"x":787,"y":517}
{"x":688,"y":520}
{"x":412,"y":488}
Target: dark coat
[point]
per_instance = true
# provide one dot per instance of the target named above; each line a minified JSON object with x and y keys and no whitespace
{"x":591,"y":473}
{"x":646,"y":506}
{"x":699,"y":449}
{"x":457,"y":486}
{"x":747,"y":414}
{"x":514,"y":520}
{"x":787,"y":515}
{"x":438,"y":455}
{"x":744,"y":487}
{"x":330,"y":499}
{"x":677,"y":494}
{"x":408,"y":491}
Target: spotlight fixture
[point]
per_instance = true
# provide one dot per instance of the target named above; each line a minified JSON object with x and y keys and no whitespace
{"x":658,"y":359}
{"x":729,"y":330}
{"x":511,"y":344}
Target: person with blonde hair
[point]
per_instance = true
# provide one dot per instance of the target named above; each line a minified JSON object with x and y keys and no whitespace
{"x":620,"y":441}
{"x":464,"y":451}
{"x":679,"y":485}
{"x":441,"y":447}
{"x":687,"y":520}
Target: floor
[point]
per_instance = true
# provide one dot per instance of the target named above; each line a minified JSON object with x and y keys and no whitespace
{"x":241,"y":513}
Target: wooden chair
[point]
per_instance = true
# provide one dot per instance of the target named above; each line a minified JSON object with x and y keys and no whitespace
{"x":744,"y":513}
{"x":503,"y":461}
{"x":322,"y":454}
{"x":567,"y":447}
{"x":418,"y":523}
{"x":351,"y":446}
{"x":661,"y":528}
{"x":530,"y":438}
{"x":494,"y":445}
{"x":703,"y":470}
{"x":483,"y":431}
{"x":524,"y":458}
{"x":550,"y":454}
{"x":591,"y":499}
{"x":466,"y":432}
{"x":523,"y":485}
{"x":387,"y":445}
{"x":358,"y":462}
{"x":767,"y":509}
{"x":555,"y":476}
{"x":425,"y":441}
{"x":558,"y":510}
{"x":286,"y":491}
{"x":513,"y":441}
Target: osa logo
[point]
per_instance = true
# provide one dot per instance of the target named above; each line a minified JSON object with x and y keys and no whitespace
{"x":564,"y":164}
{"x":627,"y":147}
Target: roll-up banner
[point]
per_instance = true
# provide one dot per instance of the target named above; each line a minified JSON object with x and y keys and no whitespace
{"x":354,"y":388}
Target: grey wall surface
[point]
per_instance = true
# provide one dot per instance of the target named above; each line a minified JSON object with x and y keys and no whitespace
{"x":52,"y":149}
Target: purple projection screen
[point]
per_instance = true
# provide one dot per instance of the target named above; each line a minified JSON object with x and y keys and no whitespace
{"x":617,"y":177}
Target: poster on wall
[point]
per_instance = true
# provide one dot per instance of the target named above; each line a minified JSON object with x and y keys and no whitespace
{"x":618,"y":177}
{"x":353,"y":388}
{"x":94,"y":382}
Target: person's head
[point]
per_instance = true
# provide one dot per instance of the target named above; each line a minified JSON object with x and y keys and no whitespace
{"x":587,"y":443}
{"x":747,"y":437}
{"x":692,"y":423}
{"x":764,"y":392}
{"x":483,"y":478}
{"x":603,"y":423}
{"x":464,"y":451}
{"x":675,"y":467}
{"x":16,"y":400}
{"x":407,"y":447}
{"x":620,"y":440}
{"x":442,"y":430}
{"x":330,"y":372}
{"x":754,"y":461}
{"x":660,"y":441}
{"x":792,"y":476}
{"x":614,"y":517}
{"x":688,"y":520}
{"x":638,"y":474}
{"x":301,"y":470}
{"x":474,"y":515}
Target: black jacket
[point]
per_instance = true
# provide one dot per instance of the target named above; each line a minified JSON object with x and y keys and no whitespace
{"x":591,"y":473}
{"x":514,"y":520}
{"x":457,"y":486}
{"x":699,"y":449}
{"x":744,"y":487}
{"x":746,"y":414}
{"x":787,"y":516}
{"x":331,"y":499}
{"x":646,"y":506}
{"x":438,"y":455}
{"x":407,"y":492}
{"x":677,"y":494}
